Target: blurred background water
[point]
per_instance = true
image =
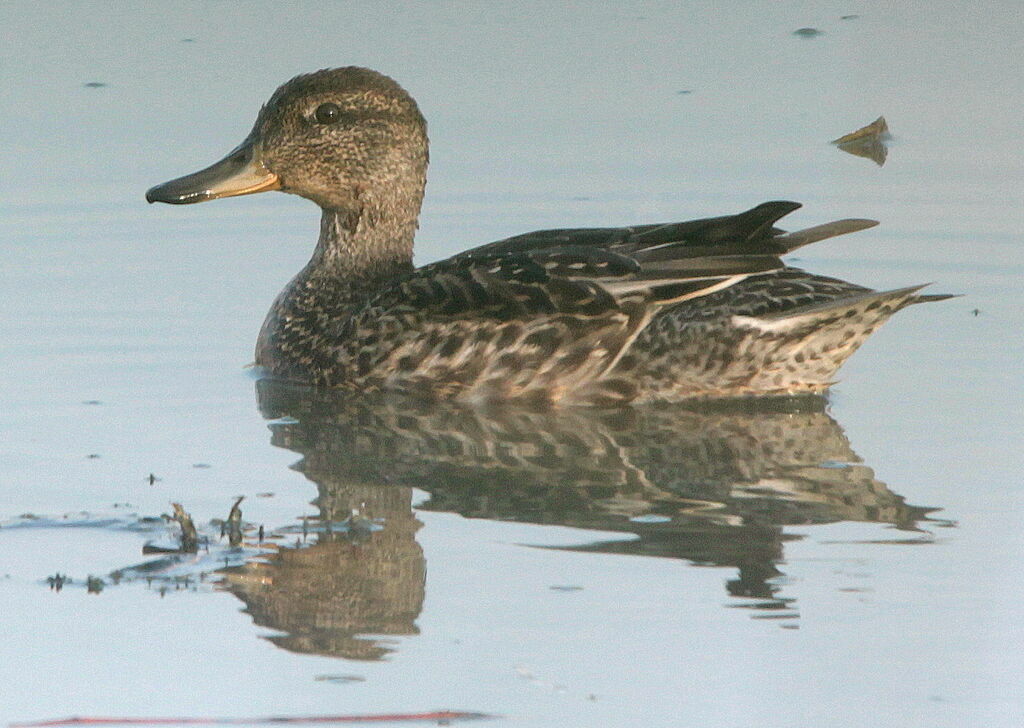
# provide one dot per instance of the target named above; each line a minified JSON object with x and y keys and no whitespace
{"x":125,"y":330}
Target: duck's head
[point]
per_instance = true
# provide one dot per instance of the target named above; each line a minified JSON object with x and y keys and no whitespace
{"x":346,"y":138}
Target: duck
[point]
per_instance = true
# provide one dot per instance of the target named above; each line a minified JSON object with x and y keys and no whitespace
{"x":595,"y":316}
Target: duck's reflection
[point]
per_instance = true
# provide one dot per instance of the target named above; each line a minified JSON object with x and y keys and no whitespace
{"x":715,"y":486}
{"x":325,"y":594}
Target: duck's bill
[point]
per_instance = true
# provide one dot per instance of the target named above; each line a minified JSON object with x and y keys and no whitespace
{"x":239,"y":173}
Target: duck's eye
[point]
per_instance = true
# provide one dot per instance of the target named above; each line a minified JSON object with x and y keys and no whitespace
{"x":327,"y":113}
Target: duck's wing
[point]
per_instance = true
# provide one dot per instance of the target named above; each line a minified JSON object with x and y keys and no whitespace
{"x":595,"y":270}
{"x":659,"y":263}
{"x":656,"y":262}
{"x":752,"y":232}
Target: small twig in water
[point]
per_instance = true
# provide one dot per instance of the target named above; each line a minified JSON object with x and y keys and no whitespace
{"x":438,"y":715}
{"x":189,"y":536}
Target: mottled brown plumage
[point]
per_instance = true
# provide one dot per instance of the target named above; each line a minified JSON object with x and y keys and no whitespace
{"x":593,"y":316}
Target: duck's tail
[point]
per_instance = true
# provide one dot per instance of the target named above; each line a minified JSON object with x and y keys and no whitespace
{"x":803,"y":348}
{"x":799,"y":238}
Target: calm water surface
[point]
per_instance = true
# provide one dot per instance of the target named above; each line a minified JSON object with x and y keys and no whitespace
{"x":845,"y":562}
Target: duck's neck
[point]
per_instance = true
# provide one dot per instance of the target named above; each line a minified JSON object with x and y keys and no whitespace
{"x":360,"y":249}
{"x":356,"y":255}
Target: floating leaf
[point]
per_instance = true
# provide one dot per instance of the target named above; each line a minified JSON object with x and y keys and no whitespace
{"x":868,"y":141}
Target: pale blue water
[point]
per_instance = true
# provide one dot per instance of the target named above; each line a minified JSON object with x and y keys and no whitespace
{"x":539,"y":117}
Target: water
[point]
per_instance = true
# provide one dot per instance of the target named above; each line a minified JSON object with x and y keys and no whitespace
{"x":848,"y":562}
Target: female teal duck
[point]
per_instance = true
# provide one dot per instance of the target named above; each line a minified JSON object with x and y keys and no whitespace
{"x":704,"y":308}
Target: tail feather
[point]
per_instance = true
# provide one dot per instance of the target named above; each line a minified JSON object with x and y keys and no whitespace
{"x":932,"y":297}
{"x":799,"y":238}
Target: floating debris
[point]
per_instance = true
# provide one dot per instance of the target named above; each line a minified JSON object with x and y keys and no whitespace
{"x":153,"y":479}
{"x":92,"y":456}
{"x":808,"y":32}
{"x":57,"y":581}
{"x":877,"y":128}
{"x":201,"y":466}
{"x":95,"y":84}
{"x":180,"y":554}
{"x":188,"y":40}
{"x":92,"y":402}
{"x":849,"y":17}
{"x":684,"y":92}
{"x":189,"y":536}
{"x":233,"y":525}
{"x":565,"y":587}
{"x":868,"y":141}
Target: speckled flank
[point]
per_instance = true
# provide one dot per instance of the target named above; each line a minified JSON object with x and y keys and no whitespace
{"x":702,"y":308}
{"x":796,"y":351}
